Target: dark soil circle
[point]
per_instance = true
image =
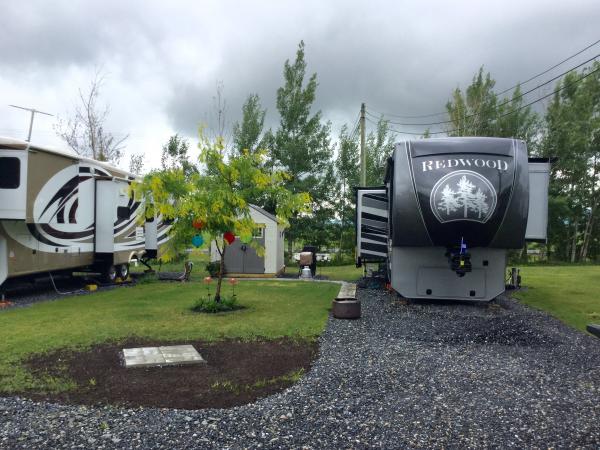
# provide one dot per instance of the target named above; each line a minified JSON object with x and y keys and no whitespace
{"x":236,"y":373}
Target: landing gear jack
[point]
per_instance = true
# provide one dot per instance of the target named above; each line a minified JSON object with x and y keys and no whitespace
{"x":149,"y":267}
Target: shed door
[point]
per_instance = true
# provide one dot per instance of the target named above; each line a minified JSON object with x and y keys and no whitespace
{"x":252,"y":262}
{"x":241,"y":258}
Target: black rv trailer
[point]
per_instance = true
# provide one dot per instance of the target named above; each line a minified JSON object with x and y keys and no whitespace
{"x":449,"y":211}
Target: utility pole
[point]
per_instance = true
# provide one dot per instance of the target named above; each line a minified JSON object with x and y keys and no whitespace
{"x":33,"y":111}
{"x":363,"y":156}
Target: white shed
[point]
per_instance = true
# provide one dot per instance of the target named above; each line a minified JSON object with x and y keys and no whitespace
{"x":241,"y":259}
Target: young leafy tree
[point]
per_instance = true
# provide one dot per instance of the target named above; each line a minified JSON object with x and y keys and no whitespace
{"x":301,"y":145}
{"x":247,"y":135}
{"x":216,"y":194}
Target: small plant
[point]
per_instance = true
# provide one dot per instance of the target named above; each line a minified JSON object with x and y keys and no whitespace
{"x":211,"y":306}
{"x":226,"y":386}
{"x":104,"y":426}
{"x":92,"y":382}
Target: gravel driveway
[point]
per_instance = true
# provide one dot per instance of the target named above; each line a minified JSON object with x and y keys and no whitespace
{"x":404,"y":376}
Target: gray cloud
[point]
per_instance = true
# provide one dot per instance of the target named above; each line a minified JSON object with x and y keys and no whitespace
{"x":398,"y":57}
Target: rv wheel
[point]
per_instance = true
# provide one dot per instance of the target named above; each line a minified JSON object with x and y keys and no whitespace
{"x":124,"y":271}
{"x":110,"y":273}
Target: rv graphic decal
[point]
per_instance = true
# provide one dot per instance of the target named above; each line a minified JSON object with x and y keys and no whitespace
{"x":463,"y":195}
{"x":61,"y":220}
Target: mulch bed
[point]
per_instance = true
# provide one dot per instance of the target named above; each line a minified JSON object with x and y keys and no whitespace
{"x":228,"y":379}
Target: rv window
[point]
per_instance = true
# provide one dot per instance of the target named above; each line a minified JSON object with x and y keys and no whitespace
{"x":123,"y":212}
{"x":10,"y":172}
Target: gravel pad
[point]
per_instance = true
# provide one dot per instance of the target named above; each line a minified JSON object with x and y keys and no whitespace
{"x":404,"y":376}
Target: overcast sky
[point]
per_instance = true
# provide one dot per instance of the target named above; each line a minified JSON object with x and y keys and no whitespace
{"x":163,"y":60}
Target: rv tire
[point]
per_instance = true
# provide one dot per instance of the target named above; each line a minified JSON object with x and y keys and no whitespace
{"x":110,"y":273}
{"x":124,"y":271}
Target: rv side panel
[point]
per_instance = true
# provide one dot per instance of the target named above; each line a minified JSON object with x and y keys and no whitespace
{"x":537,"y":222}
{"x":371,"y":224}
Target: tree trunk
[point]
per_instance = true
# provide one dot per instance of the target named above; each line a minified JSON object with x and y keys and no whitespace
{"x":588,"y":238}
{"x":221,"y":271}
{"x":290,"y":246}
{"x":587,"y":234}
{"x":574,"y":244}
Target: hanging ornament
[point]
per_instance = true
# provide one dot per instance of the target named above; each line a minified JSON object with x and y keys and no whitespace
{"x":246,"y":238}
{"x":197,"y":224}
{"x":197,"y":241}
{"x":229,"y":237}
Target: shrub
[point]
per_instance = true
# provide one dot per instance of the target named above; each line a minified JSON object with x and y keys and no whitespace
{"x":213,"y":268}
{"x":209,"y":305}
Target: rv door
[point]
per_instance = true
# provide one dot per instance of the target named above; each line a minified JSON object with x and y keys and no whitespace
{"x":105,"y":216}
{"x":371,"y":225}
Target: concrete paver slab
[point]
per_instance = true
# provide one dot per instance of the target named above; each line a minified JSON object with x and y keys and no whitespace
{"x":161,"y":356}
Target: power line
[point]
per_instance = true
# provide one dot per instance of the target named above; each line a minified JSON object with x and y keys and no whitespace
{"x":502,"y":92}
{"x":355,"y":127}
{"x":505,"y":102}
{"x":550,"y":68}
{"x":556,"y":91}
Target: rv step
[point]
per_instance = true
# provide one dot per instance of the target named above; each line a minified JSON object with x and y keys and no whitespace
{"x":594,"y":329}
{"x":347,"y":292}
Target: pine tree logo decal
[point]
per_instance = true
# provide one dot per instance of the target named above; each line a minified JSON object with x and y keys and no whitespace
{"x":463,"y":195}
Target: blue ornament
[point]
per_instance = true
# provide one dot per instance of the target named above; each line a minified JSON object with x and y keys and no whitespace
{"x":197,"y":241}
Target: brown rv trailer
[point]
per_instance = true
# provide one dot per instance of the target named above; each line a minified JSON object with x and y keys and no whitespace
{"x":60,"y":211}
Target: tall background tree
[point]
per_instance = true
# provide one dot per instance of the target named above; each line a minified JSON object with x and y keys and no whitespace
{"x":85,"y":131}
{"x":175,"y":155}
{"x":301,"y":147}
{"x":572,"y":134}
{"x":479,"y":112}
{"x":347,"y":167}
{"x":378,"y":148}
{"x":248,"y":134}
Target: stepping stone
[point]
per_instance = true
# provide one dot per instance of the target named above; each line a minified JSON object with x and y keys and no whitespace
{"x":594,"y":329}
{"x":172,"y":355}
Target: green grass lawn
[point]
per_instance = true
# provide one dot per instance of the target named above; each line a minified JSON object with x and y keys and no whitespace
{"x":570,"y":293}
{"x":341,"y":273}
{"x":156,"y":310}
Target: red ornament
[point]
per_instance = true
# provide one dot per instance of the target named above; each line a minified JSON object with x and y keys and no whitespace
{"x":197,"y":224}
{"x":229,"y":237}
{"x":233,"y":281}
{"x":207,"y":280}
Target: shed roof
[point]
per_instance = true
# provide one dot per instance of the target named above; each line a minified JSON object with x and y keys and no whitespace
{"x":264,"y":213}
